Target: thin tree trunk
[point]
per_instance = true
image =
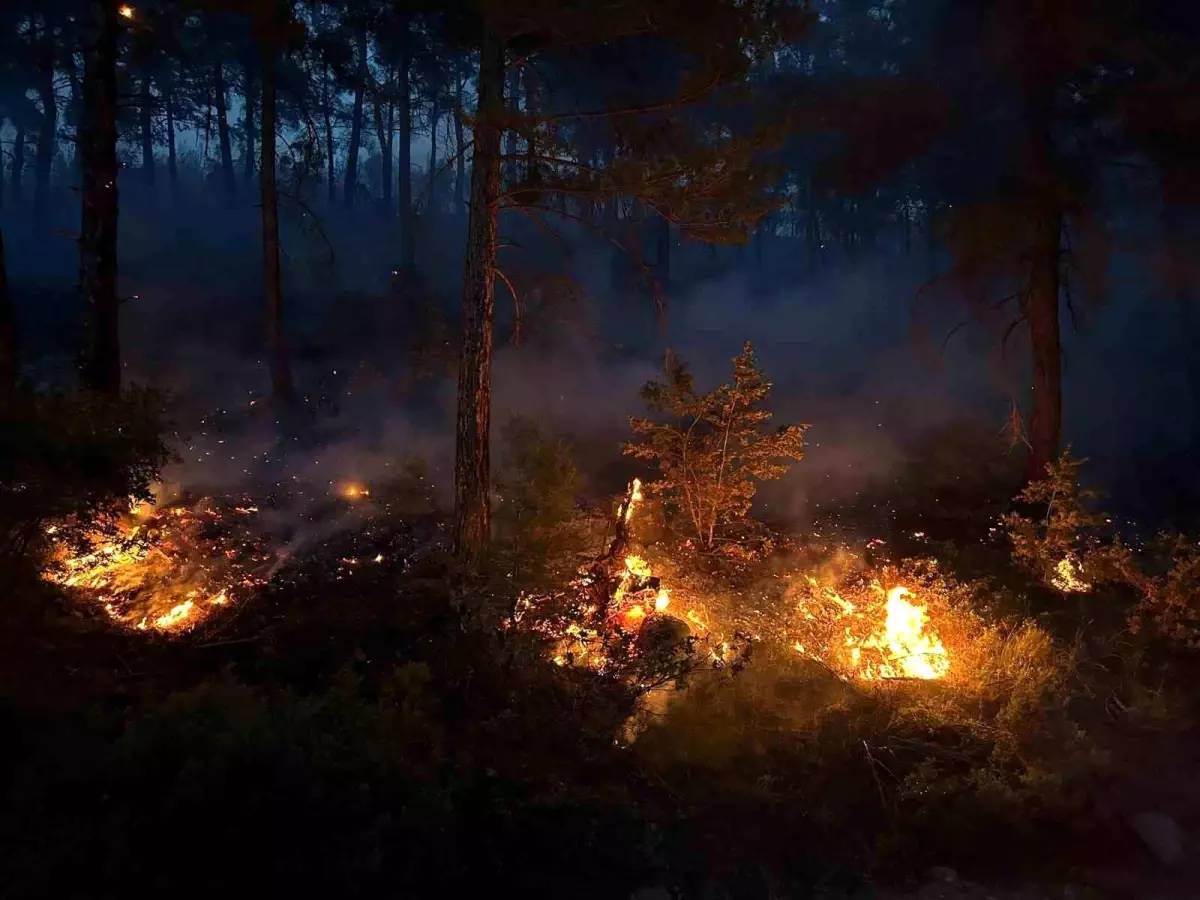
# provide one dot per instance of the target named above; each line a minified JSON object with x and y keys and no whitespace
{"x":389,"y":152}
{"x":47,"y":130}
{"x":9,"y":365}
{"x":356,"y":118}
{"x":248,"y":127}
{"x":227,"y":180}
{"x":1045,"y":420}
{"x":147,"y":126}
{"x":512,"y":100}
{"x":381,"y":127}
{"x":100,"y":365}
{"x":663,"y":261}
{"x":434,"y":115}
{"x":408,"y":227}
{"x":460,"y":145}
{"x":73,"y":110}
{"x":18,"y":163}
{"x":326,"y":108}
{"x":281,"y":373}
{"x":472,"y":507}
{"x":172,"y":162}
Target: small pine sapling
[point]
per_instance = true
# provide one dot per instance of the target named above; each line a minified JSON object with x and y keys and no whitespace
{"x":712,"y":449}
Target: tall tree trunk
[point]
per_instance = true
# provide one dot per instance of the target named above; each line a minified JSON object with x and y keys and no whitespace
{"x":663,"y":261}
{"x":227,"y":181}
{"x":248,"y":126}
{"x":472,"y":507}
{"x":435,"y":114}
{"x":327,"y":110}
{"x":147,"y":129}
{"x":100,"y":365}
{"x":460,"y":145}
{"x":389,"y":152}
{"x":8,"y":329}
{"x":1045,"y":420}
{"x":408,"y":225}
{"x":18,"y":163}
{"x":512,"y":99}
{"x":47,"y":129}
{"x":73,"y":114}
{"x":356,"y":118}
{"x":172,"y":162}
{"x":382,"y":131}
{"x":281,"y":373}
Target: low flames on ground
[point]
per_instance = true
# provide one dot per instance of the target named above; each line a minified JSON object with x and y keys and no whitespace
{"x":867,"y":629}
{"x":167,"y":569}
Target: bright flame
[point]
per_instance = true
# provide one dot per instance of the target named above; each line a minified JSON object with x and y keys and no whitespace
{"x":126,"y":12}
{"x":635,"y":497}
{"x":663,"y":600}
{"x":1066,"y":577}
{"x":175,"y":616}
{"x":909,"y":651}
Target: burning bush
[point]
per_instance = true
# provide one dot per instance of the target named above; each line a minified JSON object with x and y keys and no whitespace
{"x":74,"y":462}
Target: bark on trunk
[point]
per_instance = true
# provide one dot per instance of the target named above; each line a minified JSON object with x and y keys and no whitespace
{"x":281,"y":373}
{"x":248,"y":127}
{"x":389,"y":168}
{"x":46,"y":132}
{"x":1045,"y":420}
{"x":408,"y":226}
{"x":382,"y":134}
{"x":472,"y":507}
{"x":172,"y":161}
{"x":512,"y":100}
{"x":434,"y":115}
{"x":146,"y":123}
{"x":460,"y":145}
{"x":100,"y":365}
{"x":356,"y":118}
{"x":8,"y":329}
{"x":18,"y":163}
{"x":227,"y":181}
{"x":326,"y":109}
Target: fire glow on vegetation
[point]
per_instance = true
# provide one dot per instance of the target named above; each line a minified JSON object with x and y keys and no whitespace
{"x":883,"y":636}
{"x":1066,"y":577}
{"x":165,"y":570}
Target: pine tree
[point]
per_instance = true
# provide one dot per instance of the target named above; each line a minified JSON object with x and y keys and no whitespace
{"x":712,"y":449}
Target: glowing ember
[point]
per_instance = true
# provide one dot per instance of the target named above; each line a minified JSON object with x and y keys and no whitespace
{"x":174,"y":616}
{"x":352,"y":490}
{"x":663,"y":600}
{"x":1066,"y":577}
{"x":126,"y":12}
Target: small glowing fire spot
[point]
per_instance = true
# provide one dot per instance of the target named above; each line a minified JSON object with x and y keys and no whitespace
{"x":220,"y":600}
{"x":126,"y":12}
{"x":635,"y":614}
{"x":1066,"y":577}
{"x":379,"y":557}
{"x":560,"y":660}
{"x":175,"y":616}
{"x":663,"y":600}
{"x":354,"y":491}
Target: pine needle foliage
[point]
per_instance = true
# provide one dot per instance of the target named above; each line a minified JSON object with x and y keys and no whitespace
{"x":712,"y":449}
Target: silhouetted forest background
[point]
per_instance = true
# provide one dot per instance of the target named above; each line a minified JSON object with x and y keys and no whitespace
{"x":920,"y":211}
